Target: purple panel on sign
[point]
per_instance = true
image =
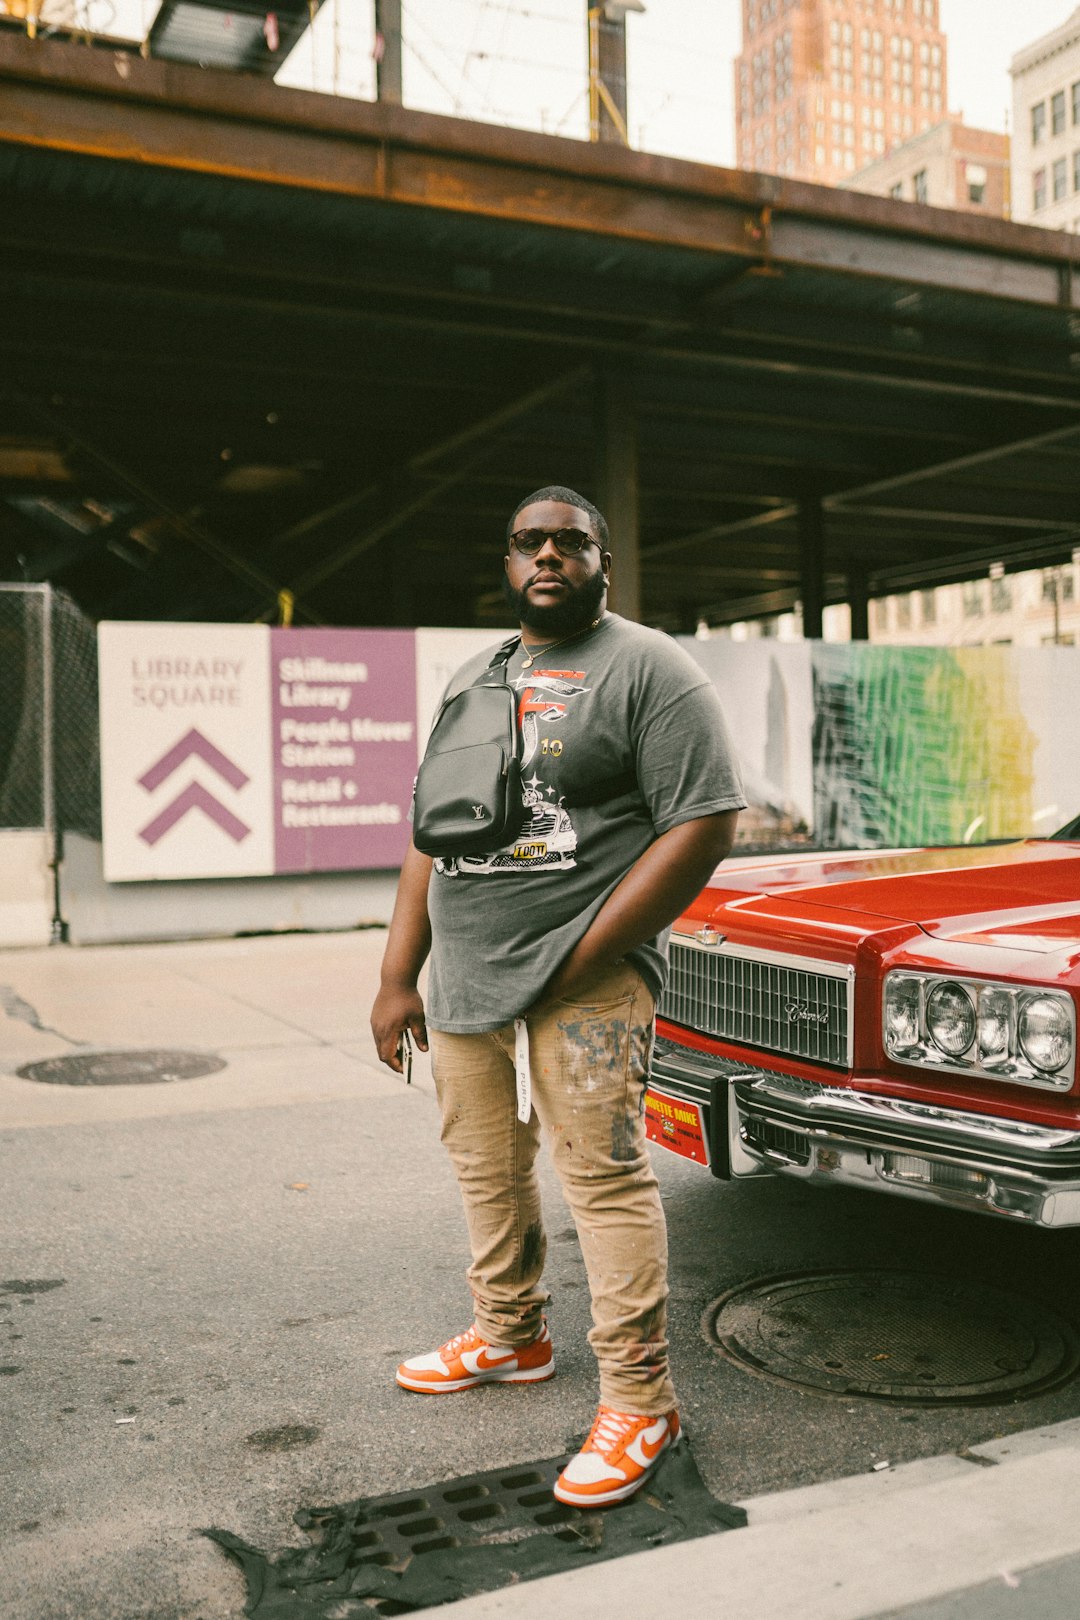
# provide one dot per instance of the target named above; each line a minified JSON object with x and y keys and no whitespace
{"x":344,"y":718}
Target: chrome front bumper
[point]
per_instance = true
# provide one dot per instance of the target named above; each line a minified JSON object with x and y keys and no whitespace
{"x":760,"y":1121}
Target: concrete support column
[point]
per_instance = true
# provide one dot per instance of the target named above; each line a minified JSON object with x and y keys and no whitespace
{"x":388,"y":50}
{"x":858,"y":587}
{"x":811,"y":564}
{"x":615,"y":440}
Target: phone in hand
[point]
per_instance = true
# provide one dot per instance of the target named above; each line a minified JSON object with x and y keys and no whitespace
{"x":404,"y":1055}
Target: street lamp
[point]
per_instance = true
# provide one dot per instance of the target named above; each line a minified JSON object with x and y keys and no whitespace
{"x":614,"y":12}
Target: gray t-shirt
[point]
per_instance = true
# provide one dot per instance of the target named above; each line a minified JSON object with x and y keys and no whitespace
{"x":619,"y":698}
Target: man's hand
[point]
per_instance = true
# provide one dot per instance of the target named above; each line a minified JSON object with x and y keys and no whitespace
{"x":397,"y":1007}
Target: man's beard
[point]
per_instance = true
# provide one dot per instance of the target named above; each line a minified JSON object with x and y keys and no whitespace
{"x":557,"y":619}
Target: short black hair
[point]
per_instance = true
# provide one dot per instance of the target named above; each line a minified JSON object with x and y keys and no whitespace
{"x":565,"y":497}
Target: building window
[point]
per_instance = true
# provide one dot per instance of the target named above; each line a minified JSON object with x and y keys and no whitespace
{"x":1057,"y":584}
{"x":1076,"y":102}
{"x":975,"y":175}
{"x":1038,"y":189}
{"x":1061,"y":184}
{"x":1057,"y":113}
{"x":897,"y":191}
{"x":1076,"y":171}
{"x":973,"y":598}
{"x":903,"y":612}
{"x":929,"y":606}
{"x":1000,"y":595}
{"x":919,"y":180}
{"x":1038,"y":122}
{"x":879,"y":611}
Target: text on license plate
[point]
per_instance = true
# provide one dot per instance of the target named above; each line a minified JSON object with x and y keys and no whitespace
{"x":677,"y":1125}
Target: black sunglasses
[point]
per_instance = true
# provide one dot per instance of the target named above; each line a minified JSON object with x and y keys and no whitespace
{"x":568,"y":542}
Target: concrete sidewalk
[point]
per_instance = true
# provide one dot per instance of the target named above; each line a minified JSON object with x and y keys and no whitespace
{"x":209,"y":1283}
{"x":991,"y":1535}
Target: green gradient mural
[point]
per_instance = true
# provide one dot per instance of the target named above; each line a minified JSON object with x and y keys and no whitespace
{"x":919,"y":745}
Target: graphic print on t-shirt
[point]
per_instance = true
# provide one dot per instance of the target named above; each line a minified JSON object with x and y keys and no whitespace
{"x":548,"y":837}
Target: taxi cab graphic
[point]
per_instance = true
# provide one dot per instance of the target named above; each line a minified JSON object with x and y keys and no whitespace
{"x":547,"y":839}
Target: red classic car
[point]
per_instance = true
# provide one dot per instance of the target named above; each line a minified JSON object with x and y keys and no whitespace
{"x":900,"y":1021}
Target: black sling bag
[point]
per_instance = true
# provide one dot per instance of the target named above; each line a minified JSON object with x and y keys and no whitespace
{"x":467,"y":799}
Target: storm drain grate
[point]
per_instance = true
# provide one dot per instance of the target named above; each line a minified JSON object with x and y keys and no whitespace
{"x":121,"y":1068}
{"x":919,"y":1339}
{"x":395,"y":1554}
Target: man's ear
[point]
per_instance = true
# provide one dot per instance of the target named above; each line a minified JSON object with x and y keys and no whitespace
{"x":605,"y":564}
{"x":506,"y":563}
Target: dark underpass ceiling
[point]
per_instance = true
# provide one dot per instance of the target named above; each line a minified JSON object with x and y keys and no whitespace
{"x":213,"y":388}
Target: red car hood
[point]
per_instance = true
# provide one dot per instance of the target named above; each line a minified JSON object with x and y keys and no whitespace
{"x":1025,"y":896}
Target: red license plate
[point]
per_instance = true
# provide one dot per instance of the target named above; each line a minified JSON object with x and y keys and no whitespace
{"x":677,"y":1125}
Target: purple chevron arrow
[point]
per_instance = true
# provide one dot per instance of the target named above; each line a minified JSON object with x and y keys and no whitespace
{"x":193,"y":742}
{"x":194,"y":797}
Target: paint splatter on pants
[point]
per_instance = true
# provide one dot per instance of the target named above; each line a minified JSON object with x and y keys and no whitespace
{"x":589,"y":1060}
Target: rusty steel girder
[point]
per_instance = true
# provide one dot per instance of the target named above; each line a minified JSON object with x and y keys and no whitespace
{"x":118,"y":105}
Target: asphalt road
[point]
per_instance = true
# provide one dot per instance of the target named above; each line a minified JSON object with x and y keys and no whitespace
{"x":206,"y":1285}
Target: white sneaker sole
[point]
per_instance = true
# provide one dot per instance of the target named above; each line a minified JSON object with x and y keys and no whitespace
{"x":527,"y":1375}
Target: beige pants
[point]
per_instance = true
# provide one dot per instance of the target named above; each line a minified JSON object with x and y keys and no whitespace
{"x":589,"y":1060}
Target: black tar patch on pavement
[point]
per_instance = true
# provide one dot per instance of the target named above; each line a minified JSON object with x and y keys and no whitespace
{"x":394,"y":1554}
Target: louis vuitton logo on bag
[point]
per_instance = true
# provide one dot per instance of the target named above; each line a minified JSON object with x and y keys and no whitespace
{"x":479,"y":811}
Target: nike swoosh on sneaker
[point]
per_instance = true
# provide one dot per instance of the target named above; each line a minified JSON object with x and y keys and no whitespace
{"x":645,"y":1451}
{"x":486,"y":1358}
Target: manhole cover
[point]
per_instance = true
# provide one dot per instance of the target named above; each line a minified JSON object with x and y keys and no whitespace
{"x":121,"y":1068}
{"x":894,"y":1336}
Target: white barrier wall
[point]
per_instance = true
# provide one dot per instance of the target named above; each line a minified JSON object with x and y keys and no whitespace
{"x":99,"y":913}
{"x":26,"y":902}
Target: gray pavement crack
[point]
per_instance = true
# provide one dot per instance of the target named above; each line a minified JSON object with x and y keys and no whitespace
{"x":15,"y":1007}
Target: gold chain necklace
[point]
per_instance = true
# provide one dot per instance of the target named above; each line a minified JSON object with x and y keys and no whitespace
{"x":541,"y":652}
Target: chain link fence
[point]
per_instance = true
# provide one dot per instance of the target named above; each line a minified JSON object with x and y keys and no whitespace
{"x":50,"y":767}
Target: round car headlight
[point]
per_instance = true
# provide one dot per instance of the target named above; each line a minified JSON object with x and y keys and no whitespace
{"x":1044,"y":1030}
{"x":950,"y":1019}
{"x":901,"y":1014}
{"x":994,"y":1009}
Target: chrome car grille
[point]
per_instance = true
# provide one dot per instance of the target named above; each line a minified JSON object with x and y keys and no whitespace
{"x":763,"y":1001}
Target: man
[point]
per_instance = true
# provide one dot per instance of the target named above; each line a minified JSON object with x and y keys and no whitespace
{"x":632,"y":796}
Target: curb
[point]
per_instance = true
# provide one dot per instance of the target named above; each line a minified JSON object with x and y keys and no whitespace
{"x":868,"y":1545}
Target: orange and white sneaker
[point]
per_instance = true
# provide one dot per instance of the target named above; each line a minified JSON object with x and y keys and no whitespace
{"x":621,"y":1452}
{"x":468,"y":1360}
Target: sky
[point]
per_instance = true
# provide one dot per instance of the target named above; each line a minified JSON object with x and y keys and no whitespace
{"x":523,"y":62}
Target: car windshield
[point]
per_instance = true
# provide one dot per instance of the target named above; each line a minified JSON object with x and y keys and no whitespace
{"x":1071,"y":830}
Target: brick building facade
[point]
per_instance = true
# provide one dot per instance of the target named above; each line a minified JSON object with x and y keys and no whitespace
{"x":1046,"y":129}
{"x":823,"y":87}
{"x":950,"y":165}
